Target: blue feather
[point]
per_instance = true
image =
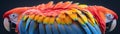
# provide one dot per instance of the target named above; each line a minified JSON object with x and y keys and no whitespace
{"x":27,"y":24}
{"x":48,"y":29}
{"x":87,"y":30}
{"x":69,"y":30}
{"x":36,"y":31}
{"x":61,"y":29}
{"x":92,"y":28}
{"x":21,"y":27}
{"x":41,"y":29}
{"x":31,"y":27}
{"x":77,"y":29}
{"x":98,"y":29}
{"x":54,"y":29}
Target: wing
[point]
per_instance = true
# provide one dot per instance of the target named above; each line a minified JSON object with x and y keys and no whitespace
{"x":63,"y":18}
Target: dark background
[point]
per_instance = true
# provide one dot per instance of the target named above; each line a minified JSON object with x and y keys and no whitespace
{"x":6,"y":5}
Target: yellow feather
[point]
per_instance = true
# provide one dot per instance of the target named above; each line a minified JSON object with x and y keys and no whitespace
{"x":84,"y":18}
{"x":72,"y":14}
{"x":62,"y":21}
{"x":62,"y":17}
{"x":96,"y":21}
{"x":80,"y":21}
{"x":32,"y":16}
{"x":40,"y":19}
{"x":46,"y":20}
{"x":58,"y":20}
{"x":82,"y":6}
{"x":36,"y":18}
{"x":90,"y":17}
{"x":91,"y":22}
{"x":25,"y":17}
{"x":52,"y":20}
{"x":68,"y":20}
{"x":78,"y":12}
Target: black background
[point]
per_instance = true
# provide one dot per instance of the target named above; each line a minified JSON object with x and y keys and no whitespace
{"x":6,"y":5}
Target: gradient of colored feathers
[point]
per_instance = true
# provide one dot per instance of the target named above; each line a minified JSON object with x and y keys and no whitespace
{"x":62,"y":18}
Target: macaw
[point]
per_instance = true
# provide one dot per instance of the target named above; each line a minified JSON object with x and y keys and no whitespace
{"x":60,"y":18}
{"x":103,"y":16}
{"x":13,"y":16}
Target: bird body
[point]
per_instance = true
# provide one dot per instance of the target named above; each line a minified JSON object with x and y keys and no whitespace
{"x":61,"y":18}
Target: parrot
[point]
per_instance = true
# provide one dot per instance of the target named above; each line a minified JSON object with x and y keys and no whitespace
{"x":61,"y":18}
{"x":13,"y":16}
{"x":104,"y":15}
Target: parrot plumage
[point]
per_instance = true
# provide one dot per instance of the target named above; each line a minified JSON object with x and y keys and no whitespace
{"x":60,"y":18}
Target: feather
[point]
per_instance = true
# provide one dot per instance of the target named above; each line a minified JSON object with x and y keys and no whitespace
{"x":84,"y":26}
{"x":84,"y":18}
{"x":52,"y":20}
{"x":48,"y":29}
{"x":60,"y":18}
{"x":72,"y":15}
{"x":46,"y":20}
{"x":66,"y":4}
{"x":91,"y":20}
{"x":31,"y":27}
{"x":97,"y":28}
{"x":77,"y":29}
{"x":49,"y":4}
{"x":21,"y":27}
{"x":58,"y":5}
{"x":40,"y":19}
{"x":27,"y":24}
{"x":92,"y":28}
{"x":69,"y":30}
{"x":36,"y":31}
{"x":61,"y":29}
{"x":100,"y":21}
{"x":41,"y":28}
{"x":54,"y":29}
